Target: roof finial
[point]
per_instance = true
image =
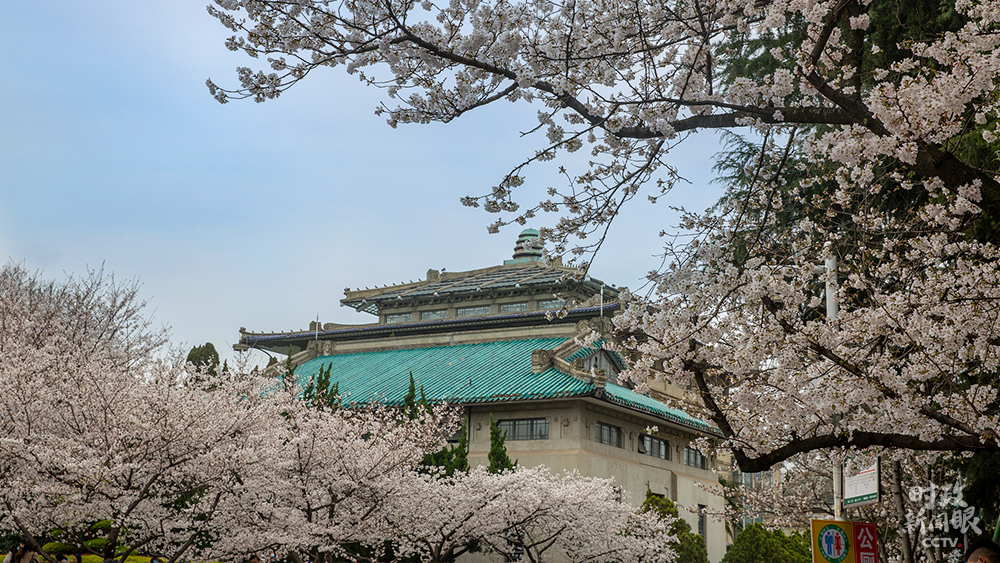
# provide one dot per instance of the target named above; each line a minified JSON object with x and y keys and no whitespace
{"x":531,"y":251}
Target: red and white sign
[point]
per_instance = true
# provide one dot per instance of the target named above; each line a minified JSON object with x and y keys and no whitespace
{"x":865,"y":543}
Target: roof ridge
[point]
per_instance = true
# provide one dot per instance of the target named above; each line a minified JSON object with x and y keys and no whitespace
{"x":563,"y":348}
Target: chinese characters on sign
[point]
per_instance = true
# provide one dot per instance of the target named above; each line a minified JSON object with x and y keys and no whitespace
{"x":844,"y":542}
{"x":865,"y":542}
{"x":862,"y":489}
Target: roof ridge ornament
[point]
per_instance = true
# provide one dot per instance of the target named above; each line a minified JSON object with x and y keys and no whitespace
{"x":529,"y":247}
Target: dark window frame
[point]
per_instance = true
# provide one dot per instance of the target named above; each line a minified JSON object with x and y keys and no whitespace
{"x":435,"y":315}
{"x":608,"y":434}
{"x":518,"y":307}
{"x":694,"y":458}
{"x":545,"y":304}
{"x":654,"y":447}
{"x":524,"y":429}
{"x":473,"y":311}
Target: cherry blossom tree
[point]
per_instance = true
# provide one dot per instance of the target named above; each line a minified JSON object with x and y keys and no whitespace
{"x":335,"y":476}
{"x":631,"y":80}
{"x":872,"y":147}
{"x":102,"y":441}
{"x":119,"y":447}
{"x":529,"y":512}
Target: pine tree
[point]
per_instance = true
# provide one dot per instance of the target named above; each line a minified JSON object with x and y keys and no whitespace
{"x":756,"y":544}
{"x":411,"y":407}
{"x":204,"y":358}
{"x":499,"y":461}
{"x":450,"y":458}
{"x":319,"y":394}
{"x":690,"y":547}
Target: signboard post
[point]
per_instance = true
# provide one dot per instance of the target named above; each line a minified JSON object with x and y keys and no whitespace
{"x":862,"y":489}
{"x":836,"y":541}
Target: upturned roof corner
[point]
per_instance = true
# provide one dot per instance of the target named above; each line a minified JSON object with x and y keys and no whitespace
{"x":567,"y":357}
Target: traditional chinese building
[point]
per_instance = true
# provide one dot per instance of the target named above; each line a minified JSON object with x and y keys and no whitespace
{"x":505,"y":341}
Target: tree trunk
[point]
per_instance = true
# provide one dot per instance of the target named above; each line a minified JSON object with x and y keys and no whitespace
{"x":897,"y":497}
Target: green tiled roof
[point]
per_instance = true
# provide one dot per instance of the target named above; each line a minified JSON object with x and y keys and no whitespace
{"x":466,"y":373}
{"x":472,"y":373}
{"x":629,"y":398}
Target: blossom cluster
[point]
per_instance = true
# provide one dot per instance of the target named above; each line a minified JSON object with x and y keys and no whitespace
{"x":629,"y":81}
{"x":119,"y":447}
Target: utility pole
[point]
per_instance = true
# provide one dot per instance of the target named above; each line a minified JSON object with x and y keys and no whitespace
{"x":832,"y":308}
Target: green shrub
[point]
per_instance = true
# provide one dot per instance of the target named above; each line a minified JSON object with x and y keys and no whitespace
{"x":757,"y":544}
{"x":690,"y":547}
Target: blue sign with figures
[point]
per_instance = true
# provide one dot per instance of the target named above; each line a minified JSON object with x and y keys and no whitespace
{"x":832,"y":541}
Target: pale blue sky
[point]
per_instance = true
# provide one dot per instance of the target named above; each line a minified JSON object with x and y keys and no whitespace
{"x":259,"y":215}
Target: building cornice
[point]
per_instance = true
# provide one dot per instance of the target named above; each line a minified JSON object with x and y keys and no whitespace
{"x":277,"y":341}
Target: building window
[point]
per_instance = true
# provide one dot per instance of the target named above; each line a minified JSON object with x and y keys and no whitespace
{"x":472,"y":311}
{"x":516,"y":552}
{"x":515,"y":548}
{"x":525,"y":428}
{"x":513,"y":307}
{"x":399,"y":318}
{"x":763,"y":480}
{"x":701,"y":520}
{"x":751,"y":480}
{"x":552,"y":304}
{"x":654,"y":447}
{"x":695,"y":458}
{"x":457,"y":436}
{"x":607,"y":434}
{"x":433,"y":315}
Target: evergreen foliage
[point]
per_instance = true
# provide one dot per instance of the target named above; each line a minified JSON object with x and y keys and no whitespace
{"x":410,"y":405}
{"x":450,"y":458}
{"x":690,"y":547}
{"x":319,"y":393}
{"x":8,"y":539}
{"x":205,"y":358}
{"x":744,"y":167}
{"x":982,"y":487}
{"x":757,"y":544}
{"x":499,"y":461}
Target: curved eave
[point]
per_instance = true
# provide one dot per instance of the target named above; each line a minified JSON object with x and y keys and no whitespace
{"x":370,"y":304}
{"x":624,"y":397}
{"x":511,"y":397}
{"x":282,"y":340}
